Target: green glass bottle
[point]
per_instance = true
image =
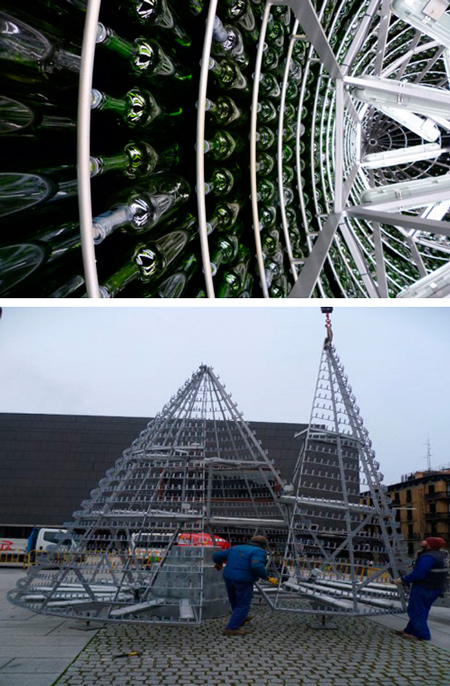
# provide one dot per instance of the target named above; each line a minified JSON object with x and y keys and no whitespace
{"x":270,"y":58}
{"x":295,"y":71}
{"x":264,"y":163}
{"x":224,"y":111}
{"x":232,"y":281}
{"x":228,"y":76}
{"x":241,"y":12}
{"x":223,"y":251}
{"x":222,"y":180}
{"x":152,"y":259}
{"x":196,"y":7}
{"x":287,"y":153}
{"x":288,"y":174}
{"x":30,"y":57}
{"x":267,"y":217}
{"x":33,"y":116}
{"x":270,"y":241}
{"x":137,"y":160}
{"x":273,"y":267}
{"x":290,"y":112}
{"x":282,"y":14}
{"x":299,"y":50}
{"x":265,"y":138}
{"x":266,"y":111}
{"x":291,"y":216}
{"x":144,"y":57}
{"x":137,"y":109}
{"x":227,"y":42}
{"x":20,"y":261}
{"x":141,"y":208}
{"x":156,"y":13}
{"x":222,"y":145}
{"x":275,"y":33}
{"x":23,"y":191}
{"x":247,"y":288}
{"x":176,"y":285}
{"x":292,"y":92}
{"x":279,"y":287}
{"x":74,"y":287}
{"x":289,"y":133}
{"x":266,"y":191}
{"x":224,"y":217}
{"x":269,"y":86}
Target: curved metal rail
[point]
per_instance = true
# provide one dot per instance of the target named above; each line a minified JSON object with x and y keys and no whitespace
{"x":200,"y":155}
{"x":83,"y":148}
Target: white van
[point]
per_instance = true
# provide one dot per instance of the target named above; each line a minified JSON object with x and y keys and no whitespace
{"x":45,"y":541}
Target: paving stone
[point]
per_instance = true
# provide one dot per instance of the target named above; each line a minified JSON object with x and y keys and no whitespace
{"x":290,"y":653}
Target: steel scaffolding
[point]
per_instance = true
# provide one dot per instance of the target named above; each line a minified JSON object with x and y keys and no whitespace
{"x":197,"y":479}
{"x":343,"y":545}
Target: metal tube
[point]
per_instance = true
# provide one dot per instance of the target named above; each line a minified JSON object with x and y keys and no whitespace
{"x":83,"y":148}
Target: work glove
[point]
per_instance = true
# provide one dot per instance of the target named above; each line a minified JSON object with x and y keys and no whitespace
{"x":273,"y":580}
{"x":398,"y":581}
{"x":219,"y":566}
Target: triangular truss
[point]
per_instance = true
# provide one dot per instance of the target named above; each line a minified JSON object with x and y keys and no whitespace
{"x":197,"y":475}
{"x":343,"y":547}
{"x":197,"y":471}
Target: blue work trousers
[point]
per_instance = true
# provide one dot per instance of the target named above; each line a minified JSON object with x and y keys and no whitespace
{"x":240,"y":595}
{"x":419,"y":606}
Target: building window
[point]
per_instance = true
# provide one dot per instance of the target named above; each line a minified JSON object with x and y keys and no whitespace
{"x":409,"y":515}
{"x":410,"y":531}
{"x":431,"y":490}
{"x":432,"y":508}
{"x":408,"y":495}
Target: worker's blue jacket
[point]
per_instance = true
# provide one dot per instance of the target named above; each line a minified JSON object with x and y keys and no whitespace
{"x":430,"y":571}
{"x":243,"y":562}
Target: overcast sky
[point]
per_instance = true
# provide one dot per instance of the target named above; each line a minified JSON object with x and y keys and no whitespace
{"x":128,"y":361}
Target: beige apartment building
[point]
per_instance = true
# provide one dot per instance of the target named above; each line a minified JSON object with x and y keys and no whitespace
{"x":422,"y":504}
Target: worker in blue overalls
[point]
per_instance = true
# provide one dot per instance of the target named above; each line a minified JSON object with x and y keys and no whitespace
{"x":245,"y":564}
{"x":428,"y":582}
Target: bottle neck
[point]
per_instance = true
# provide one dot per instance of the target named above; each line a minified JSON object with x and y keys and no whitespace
{"x":110,"y":221}
{"x":118,"y":281}
{"x":220,"y":33}
{"x":109,"y":38}
{"x":102,"y":165}
{"x":102,"y":101}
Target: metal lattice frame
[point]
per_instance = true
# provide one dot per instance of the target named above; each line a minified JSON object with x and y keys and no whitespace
{"x":197,"y":468}
{"x":379,"y":77}
{"x":342,"y":549}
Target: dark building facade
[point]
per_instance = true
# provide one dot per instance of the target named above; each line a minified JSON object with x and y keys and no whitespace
{"x":50,"y":463}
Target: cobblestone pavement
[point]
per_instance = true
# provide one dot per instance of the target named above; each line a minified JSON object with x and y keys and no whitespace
{"x":281,"y":650}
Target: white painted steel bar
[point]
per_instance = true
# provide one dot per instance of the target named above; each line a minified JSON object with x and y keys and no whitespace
{"x":200,"y":155}
{"x":435,"y":285}
{"x":339,"y":147}
{"x":403,"y":220}
{"x":305,"y":284}
{"x":83,"y":148}
{"x":253,"y":127}
{"x":306,"y":15}
{"x":385,"y":15}
{"x":393,"y":93}
{"x":280,"y":154}
{"x":360,"y":36}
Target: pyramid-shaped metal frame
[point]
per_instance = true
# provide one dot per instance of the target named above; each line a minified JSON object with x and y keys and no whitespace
{"x":196,"y":469}
{"x":343,"y":547}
